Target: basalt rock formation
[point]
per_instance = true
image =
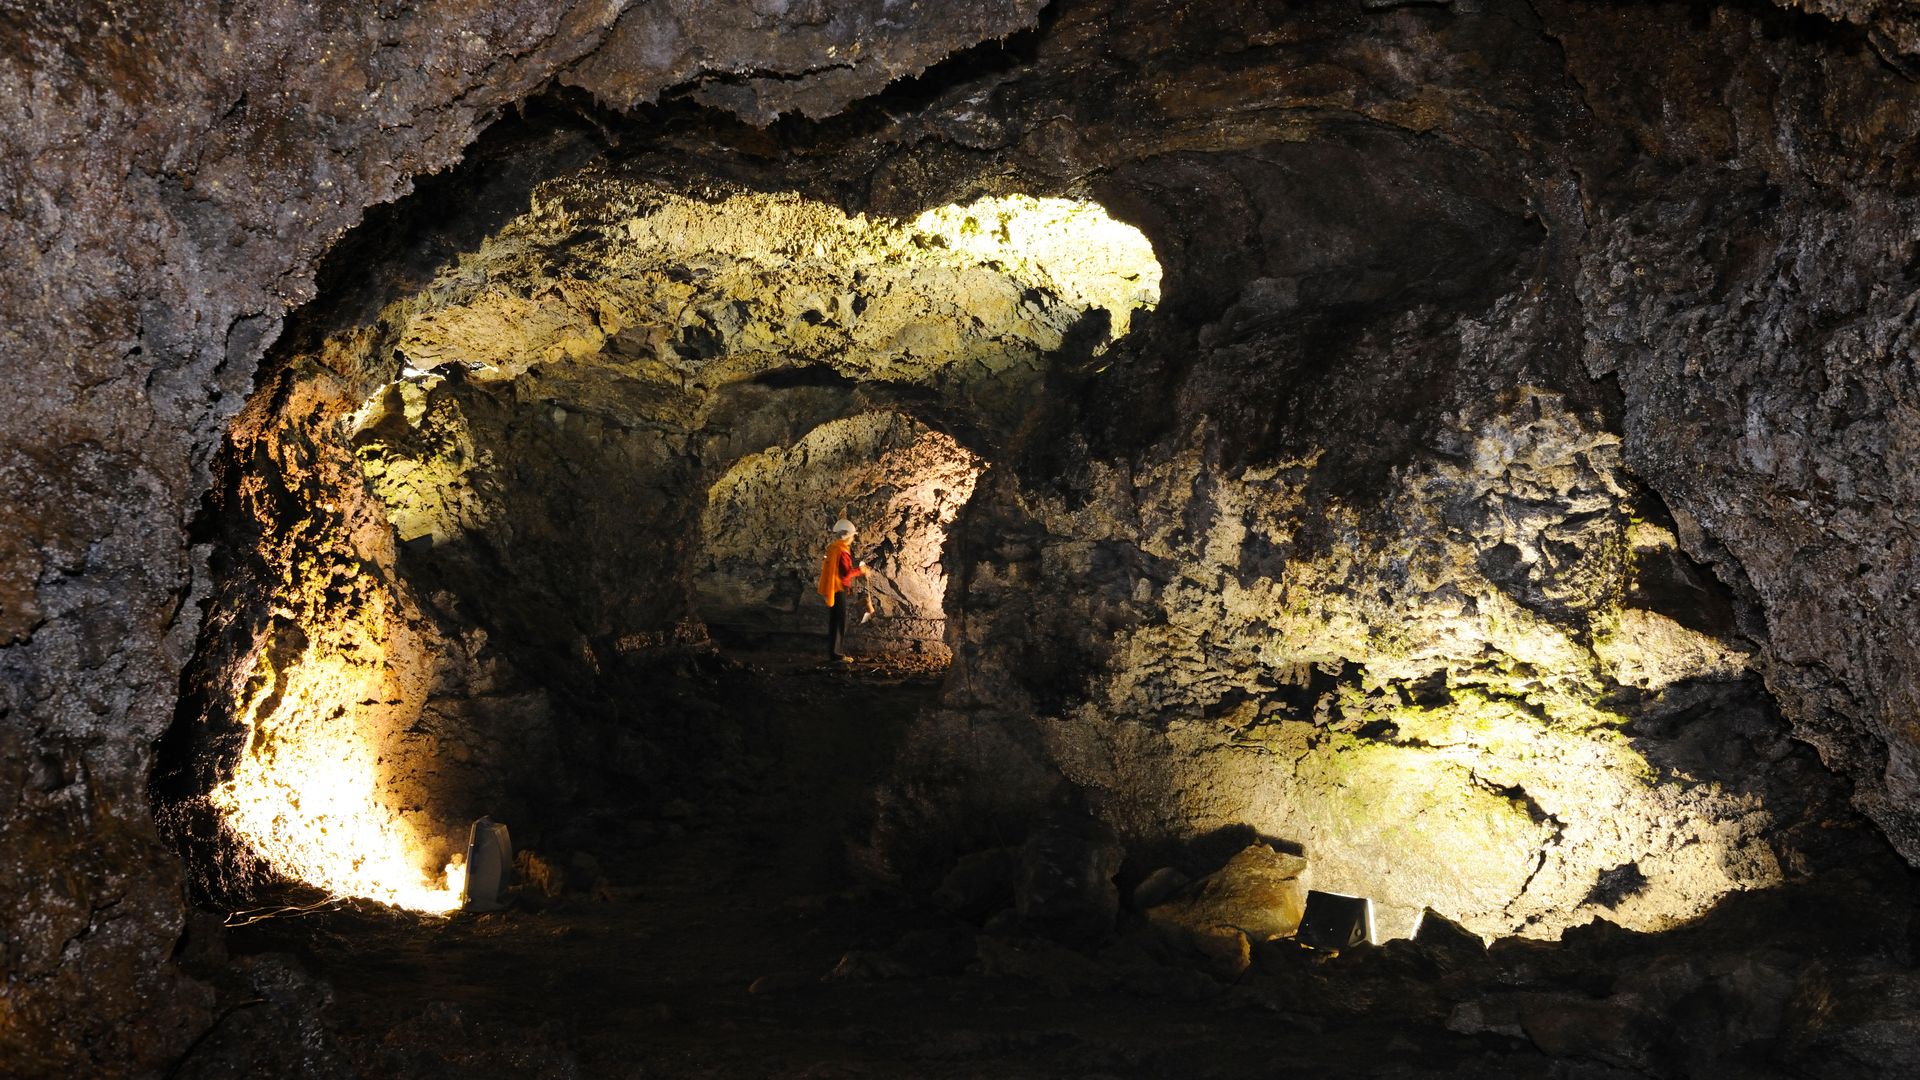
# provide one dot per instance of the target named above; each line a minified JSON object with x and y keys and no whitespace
{"x":455,"y":528}
{"x":174,"y":174}
{"x":1507,"y":495}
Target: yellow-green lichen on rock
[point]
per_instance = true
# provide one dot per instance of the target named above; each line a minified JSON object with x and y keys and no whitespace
{"x":1426,"y":685}
{"x":693,"y":293}
{"x":419,"y":456}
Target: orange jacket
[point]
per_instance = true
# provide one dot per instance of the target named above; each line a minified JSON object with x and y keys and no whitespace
{"x":837,"y":571}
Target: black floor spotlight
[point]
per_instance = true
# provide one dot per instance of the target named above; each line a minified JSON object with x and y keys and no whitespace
{"x":1334,"y":921}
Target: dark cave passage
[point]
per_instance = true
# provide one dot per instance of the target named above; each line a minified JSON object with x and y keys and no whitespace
{"x":463,"y":542}
{"x":899,"y":481}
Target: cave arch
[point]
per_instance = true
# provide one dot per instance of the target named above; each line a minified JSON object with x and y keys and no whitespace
{"x":902,"y":484}
{"x":478,"y":518}
{"x":584,"y":397}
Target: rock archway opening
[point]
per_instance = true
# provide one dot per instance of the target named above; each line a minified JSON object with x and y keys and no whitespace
{"x":766,"y":520}
{"x":470,"y":540}
{"x":473,"y":535}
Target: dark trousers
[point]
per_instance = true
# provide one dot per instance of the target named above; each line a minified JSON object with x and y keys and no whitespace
{"x":836,"y":624}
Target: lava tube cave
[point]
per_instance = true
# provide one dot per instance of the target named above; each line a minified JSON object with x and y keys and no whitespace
{"x":1388,"y":540}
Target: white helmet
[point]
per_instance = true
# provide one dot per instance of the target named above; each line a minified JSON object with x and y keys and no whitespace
{"x":843,"y":527}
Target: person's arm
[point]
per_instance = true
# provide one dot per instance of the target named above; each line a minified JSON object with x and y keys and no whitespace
{"x":848,"y":570}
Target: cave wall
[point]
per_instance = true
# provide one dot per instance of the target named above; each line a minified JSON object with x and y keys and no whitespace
{"x":1749,"y":281}
{"x":452,"y":537}
{"x":169,"y":191}
{"x":173,"y":173}
{"x":1491,"y":687}
{"x":1320,"y":296}
{"x":350,"y":708}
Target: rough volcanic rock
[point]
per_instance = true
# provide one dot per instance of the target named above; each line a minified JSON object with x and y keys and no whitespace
{"x":1257,"y":897}
{"x":1353,"y":504}
{"x":814,"y":57}
{"x":92,"y":932}
{"x":169,"y":189}
{"x":1862,"y":1024}
{"x":1892,"y":28}
{"x":980,"y":885}
{"x":173,"y":172}
{"x":1762,"y":337}
{"x":1065,"y":884}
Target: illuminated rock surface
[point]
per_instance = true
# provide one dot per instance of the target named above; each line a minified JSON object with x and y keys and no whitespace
{"x":1456,"y":697}
{"x":902,"y":483}
{"x":1484,"y":328}
{"x":476,"y":519}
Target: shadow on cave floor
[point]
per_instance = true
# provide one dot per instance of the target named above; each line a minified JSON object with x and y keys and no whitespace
{"x":736,"y":941}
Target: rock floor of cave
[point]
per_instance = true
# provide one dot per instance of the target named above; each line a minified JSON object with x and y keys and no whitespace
{"x":711,"y":947}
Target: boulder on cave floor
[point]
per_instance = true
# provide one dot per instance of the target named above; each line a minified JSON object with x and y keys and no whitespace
{"x":1260,"y":891}
{"x":1064,"y":887}
{"x":1259,"y":895}
{"x":1159,"y":887}
{"x":980,"y":884}
{"x":1448,"y":938}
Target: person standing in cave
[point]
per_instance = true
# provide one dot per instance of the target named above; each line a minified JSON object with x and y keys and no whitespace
{"x":838,"y":572}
